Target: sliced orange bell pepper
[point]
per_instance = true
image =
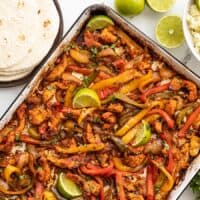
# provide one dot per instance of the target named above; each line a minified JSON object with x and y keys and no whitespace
{"x":115,"y":81}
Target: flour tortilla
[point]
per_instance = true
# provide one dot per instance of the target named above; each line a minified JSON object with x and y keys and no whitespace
{"x":28,"y":29}
{"x":14,"y":77}
{"x":12,"y":73}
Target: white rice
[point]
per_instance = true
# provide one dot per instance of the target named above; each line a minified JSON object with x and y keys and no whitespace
{"x":193,"y":21}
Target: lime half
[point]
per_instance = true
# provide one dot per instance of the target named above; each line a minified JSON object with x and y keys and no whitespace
{"x":197,"y":2}
{"x":160,"y":5}
{"x":169,"y":31}
{"x":129,"y":7}
{"x":67,"y":188}
{"x":86,"y":97}
{"x":99,"y":22}
{"x":143,"y":134}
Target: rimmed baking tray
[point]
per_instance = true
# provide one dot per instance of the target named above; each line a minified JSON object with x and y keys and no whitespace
{"x":138,"y":36}
{"x":54,"y":45}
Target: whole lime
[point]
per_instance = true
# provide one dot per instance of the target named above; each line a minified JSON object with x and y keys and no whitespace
{"x":130,"y":7}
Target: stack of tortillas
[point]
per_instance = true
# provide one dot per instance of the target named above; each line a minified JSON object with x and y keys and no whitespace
{"x":28,"y":29}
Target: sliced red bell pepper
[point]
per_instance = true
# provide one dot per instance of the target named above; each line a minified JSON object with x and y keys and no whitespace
{"x":57,"y":106}
{"x":120,"y":189}
{"x":189,"y":122}
{"x":81,"y":70}
{"x":119,"y":64}
{"x":166,"y":117}
{"x":95,"y":171}
{"x":170,"y":165}
{"x":29,"y":140}
{"x":106,"y":92}
{"x":154,"y":174}
{"x":102,"y":75}
{"x":39,"y":191}
{"x":154,"y":90}
{"x":149,"y":183}
{"x":99,"y":180}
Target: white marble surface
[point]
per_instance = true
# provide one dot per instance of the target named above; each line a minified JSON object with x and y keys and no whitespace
{"x":145,"y":22}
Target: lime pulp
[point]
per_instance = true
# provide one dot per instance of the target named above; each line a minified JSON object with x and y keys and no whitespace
{"x":86,"y":97}
{"x":67,"y":188}
{"x":169,"y":31}
{"x":143,"y":134}
{"x":160,"y":5}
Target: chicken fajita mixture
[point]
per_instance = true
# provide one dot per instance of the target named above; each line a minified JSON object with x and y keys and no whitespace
{"x":108,"y":121}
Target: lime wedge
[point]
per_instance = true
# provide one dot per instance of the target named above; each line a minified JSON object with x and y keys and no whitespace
{"x":143,"y":134}
{"x":99,"y":22}
{"x":67,"y":188}
{"x":86,"y":97}
{"x":129,"y":7}
{"x":160,"y":5}
{"x":169,"y":31}
{"x":197,"y":2}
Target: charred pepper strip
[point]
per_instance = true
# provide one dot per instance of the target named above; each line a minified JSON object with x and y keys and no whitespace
{"x":165,"y":116}
{"x":80,"y":149}
{"x":154,"y":90}
{"x":188,"y":123}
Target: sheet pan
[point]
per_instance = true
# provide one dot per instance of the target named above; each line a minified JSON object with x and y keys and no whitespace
{"x":143,"y":40}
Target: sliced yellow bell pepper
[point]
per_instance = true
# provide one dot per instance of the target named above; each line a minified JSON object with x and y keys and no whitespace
{"x":121,"y":78}
{"x":169,"y":183}
{"x":69,"y":95}
{"x":80,"y":149}
{"x":134,"y":84}
{"x":8,"y":171}
{"x":49,"y":195}
{"x":120,"y":166}
{"x":18,"y":192}
{"x":132,"y":122}
{"x":80,"y":56}
{"x":148,"y":81}
{"x":151,"y":118}
{"x":84,"y":113}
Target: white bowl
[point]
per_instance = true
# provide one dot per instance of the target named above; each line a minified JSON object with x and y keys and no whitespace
{"x":188,"y":36}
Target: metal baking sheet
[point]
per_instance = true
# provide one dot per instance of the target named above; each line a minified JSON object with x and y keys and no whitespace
{"x":143,"y":40}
